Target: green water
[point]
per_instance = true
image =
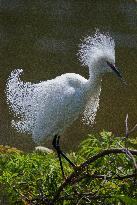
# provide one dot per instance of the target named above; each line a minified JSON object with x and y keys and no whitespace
{"x":42,"y":37}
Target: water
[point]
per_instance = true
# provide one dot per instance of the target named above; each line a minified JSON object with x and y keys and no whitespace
{"x":42,"y":38}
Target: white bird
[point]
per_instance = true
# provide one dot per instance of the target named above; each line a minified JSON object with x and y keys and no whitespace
{"x":45,"y":109}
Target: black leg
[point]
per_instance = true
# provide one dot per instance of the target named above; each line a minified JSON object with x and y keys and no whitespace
{"x":56,"y":145}
{"x":59,"y":155}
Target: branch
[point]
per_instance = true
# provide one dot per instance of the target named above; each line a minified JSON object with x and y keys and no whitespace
{"x":83,"y":165}
{"x":129,"y":155}
{"x":129,"y":132}
{"x":132,"y":130}
{"x":126,"y":124}
{"x":105,"y":177}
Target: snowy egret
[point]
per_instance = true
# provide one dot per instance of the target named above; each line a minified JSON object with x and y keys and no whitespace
{"x":48,"y":107}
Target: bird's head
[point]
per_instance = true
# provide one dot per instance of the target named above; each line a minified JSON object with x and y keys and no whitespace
{"x":106,"y":63}
{"x":98,"y":53}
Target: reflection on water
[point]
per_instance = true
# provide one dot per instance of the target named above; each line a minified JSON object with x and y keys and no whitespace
{"x":43,"y":38}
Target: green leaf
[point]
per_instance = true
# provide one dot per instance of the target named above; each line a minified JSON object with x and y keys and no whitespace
{"x":127,"y":200}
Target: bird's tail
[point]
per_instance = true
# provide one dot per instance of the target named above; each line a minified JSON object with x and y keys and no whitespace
{"x":14,"y":88}
{"x":19,"y":96}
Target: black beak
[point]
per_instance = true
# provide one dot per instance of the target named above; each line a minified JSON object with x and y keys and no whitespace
{"x":114,"y":69}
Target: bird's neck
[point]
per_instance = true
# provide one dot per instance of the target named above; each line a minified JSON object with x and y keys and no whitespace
{"x":94,"y":81}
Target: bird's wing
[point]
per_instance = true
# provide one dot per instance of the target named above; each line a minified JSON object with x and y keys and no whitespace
{"x":39,"y":109}
{"x":54,"y":110}
{"x":89,"y":113}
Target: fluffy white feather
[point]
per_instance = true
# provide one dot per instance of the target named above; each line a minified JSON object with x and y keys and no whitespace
{"x":47,"y":108}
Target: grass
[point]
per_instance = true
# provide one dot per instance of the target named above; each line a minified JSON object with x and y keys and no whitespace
{"x":36,"y":178}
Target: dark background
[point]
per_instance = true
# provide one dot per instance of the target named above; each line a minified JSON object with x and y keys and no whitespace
{"x":42,"y":37}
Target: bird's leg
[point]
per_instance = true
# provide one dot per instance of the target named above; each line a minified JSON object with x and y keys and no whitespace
{"x":72,"y":164}
{"x":56,"y":145}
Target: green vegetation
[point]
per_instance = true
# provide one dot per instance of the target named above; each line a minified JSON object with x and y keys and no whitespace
{"x":106,"y":174}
